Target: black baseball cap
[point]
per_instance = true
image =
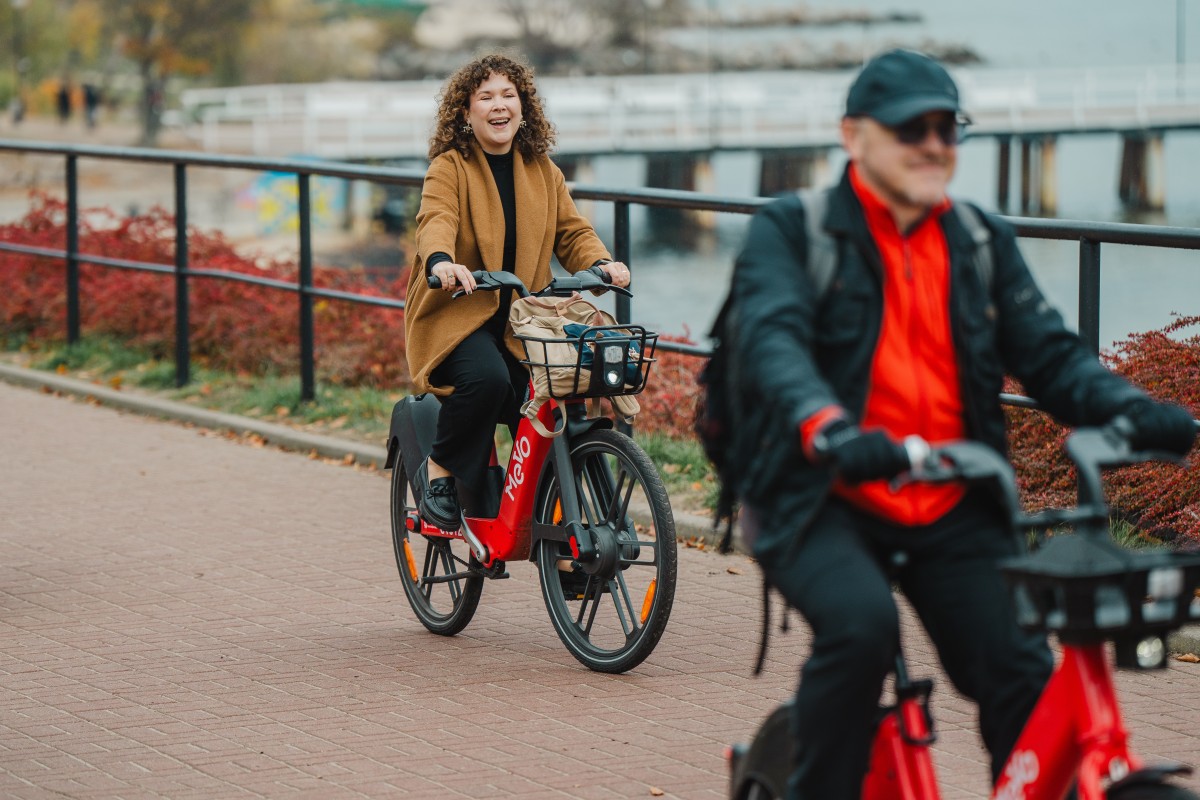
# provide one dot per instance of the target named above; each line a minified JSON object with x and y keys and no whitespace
{"x":898,"y":85}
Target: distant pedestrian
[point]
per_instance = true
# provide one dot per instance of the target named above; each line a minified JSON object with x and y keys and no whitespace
{"x":91,"y":103}
{"x":63,"y":101}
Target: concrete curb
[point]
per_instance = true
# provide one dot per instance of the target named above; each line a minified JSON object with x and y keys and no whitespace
{"x":689,"y":527}
{"x":277,"y":435}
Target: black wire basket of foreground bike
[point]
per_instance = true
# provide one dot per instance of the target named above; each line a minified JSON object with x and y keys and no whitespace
{"x":1085,"y":588}
{"x":590,"y":361}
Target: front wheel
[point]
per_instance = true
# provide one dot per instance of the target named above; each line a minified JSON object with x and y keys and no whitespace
{"x":612,"y":618}
{"x":1150,"y":791}
{"x":438,"y":573}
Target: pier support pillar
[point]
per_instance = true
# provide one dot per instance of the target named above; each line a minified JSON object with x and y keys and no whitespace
{"x":579,"y":170}
{"x":1003,"y":172}
{"x":692,"y":173}
{"x":1047,"y":176}
{"x":1141,"y":185}
{"x":1026,"y":173}
{"x":1039,"y":175}
{"x":784,"y":171}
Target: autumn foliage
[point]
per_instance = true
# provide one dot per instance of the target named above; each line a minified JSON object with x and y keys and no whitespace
{"x":234,"y":326}
{"x":243,"y":328}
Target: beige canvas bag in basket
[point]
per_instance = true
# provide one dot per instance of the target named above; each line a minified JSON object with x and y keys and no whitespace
{"x":554,"y":364}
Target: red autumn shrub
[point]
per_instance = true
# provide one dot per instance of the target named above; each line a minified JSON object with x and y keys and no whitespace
{"x":1161,"y":499}
{"x":233,"y":325}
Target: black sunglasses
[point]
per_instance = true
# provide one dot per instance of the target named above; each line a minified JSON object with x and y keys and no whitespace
{"x":950,"y":130}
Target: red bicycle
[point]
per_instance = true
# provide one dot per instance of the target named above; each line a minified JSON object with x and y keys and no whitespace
{"x":588,"y":506}
{"x":1085,"y":589}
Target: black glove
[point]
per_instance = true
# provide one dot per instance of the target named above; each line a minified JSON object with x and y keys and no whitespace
{"x":859,"y":456}
{"x":1160,"y":426}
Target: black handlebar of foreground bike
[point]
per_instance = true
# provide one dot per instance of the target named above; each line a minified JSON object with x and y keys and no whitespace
{"x":592,"y":279}
{"x":1092,"y":450}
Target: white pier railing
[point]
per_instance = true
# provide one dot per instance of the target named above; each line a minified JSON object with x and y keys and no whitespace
{"x":678,"y":113}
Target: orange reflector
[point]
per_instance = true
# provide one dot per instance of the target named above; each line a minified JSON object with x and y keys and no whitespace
{"x":412,"y":564}
{"x":556,"y":517}
{"x":649,"y":601}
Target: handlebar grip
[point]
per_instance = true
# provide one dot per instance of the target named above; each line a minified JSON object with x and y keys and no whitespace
{"x":433,"y":282}
{"x":600,"y":273}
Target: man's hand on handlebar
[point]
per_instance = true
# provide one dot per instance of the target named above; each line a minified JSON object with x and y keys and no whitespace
{"x":454,"y":277}
{"x":857,"y":455}
{"x":1160,"y":426}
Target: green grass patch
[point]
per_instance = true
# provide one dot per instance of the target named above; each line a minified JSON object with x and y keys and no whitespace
{"x":363,"y":414}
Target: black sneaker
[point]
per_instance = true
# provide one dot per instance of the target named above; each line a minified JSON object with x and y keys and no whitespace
{"x":439,"y":504}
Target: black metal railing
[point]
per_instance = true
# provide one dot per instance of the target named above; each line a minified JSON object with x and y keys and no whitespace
{"x":1089,"y":235}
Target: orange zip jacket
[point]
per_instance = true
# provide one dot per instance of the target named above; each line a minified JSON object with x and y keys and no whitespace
{"x":914,"y":386}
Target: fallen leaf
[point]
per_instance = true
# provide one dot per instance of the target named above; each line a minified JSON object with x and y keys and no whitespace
{"x":734,"y":571}
{"x":313,"y":455}
{"x":348,"y":459}
{"x":282,"y":411}
{"x":115,"y":381}
{"x":1190,"y":658}
{"x":656,"y":792}
{"x":61,"y":369}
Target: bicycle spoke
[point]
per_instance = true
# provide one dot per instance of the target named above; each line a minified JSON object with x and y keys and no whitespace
{"x":627,"y":625}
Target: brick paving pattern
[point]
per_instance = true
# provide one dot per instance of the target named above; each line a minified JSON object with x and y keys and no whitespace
{"x":186,"y":616}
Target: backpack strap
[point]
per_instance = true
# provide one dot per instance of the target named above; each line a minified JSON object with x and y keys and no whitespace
{"x":822,"y":247}
{"x":983,"y":259}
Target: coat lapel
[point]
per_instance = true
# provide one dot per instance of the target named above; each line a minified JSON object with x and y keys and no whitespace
{"x":487,"y":215}
{"x":533,"y":197}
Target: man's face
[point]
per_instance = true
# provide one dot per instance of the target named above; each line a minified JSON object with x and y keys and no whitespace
{"x":908,"y":166}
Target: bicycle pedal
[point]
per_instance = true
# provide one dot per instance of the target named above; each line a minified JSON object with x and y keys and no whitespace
{"x":495,"y":572}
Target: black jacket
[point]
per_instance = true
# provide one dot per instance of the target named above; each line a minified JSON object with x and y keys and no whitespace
{"x":795,"y":353}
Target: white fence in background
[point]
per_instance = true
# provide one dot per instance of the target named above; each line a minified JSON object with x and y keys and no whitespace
{"x":677,"y":113}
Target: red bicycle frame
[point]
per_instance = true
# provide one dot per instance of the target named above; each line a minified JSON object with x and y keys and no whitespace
{"x":1075,"y":733}
{"x":507,"y":536}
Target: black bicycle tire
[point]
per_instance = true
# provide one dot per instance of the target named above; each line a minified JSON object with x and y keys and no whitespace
{"x":641,"y":644}
{"x":1150,"y":791}
{"x":464,"y":605}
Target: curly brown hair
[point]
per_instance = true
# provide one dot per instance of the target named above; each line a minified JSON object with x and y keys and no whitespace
{"x":534,"y":138}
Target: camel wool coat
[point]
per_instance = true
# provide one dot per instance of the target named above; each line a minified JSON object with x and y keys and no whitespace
{"x":461,"y":215}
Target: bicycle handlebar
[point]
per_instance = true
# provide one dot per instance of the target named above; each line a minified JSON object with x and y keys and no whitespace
{"x":1091,"y":450}
{"x":592,"y":279}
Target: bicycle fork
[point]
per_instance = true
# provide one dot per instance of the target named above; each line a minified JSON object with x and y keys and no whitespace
{"x":579,"y":538}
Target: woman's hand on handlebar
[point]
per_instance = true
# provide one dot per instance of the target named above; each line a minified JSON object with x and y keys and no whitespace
{"x":454,"y":277}
{"x":617,"y":272}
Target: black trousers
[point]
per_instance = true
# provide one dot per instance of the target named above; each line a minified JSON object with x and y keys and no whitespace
{"x":839,"y":583}
{"x":489,"y":387}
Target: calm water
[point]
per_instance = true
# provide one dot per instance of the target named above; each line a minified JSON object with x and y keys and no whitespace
{"x":681,"y":284}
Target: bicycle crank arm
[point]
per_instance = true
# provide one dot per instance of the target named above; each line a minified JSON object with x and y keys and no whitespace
{"x":477,"y":547}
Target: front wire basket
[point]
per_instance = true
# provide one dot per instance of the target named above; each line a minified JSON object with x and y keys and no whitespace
{"x":566,"y":364}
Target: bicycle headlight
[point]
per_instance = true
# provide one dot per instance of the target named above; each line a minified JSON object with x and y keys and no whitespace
{"x":612,"y":356}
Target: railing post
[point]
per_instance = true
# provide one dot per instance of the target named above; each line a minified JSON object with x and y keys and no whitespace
{"x":1089,"y":293}
{"x":621,"y":248}
{"x":307,"y":372}
{"x":72,"y":249}
{"x":183,"y":348}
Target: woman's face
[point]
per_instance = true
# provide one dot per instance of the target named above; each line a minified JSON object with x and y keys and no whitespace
{"x":495,"y":114}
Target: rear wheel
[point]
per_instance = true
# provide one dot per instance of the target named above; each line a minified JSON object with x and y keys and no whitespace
{"x":437,"y":573}
{"x":1150,"y":791}
{"x":612,"y":618}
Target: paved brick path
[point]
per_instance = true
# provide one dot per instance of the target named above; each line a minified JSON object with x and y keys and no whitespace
{"x":186,"y":616}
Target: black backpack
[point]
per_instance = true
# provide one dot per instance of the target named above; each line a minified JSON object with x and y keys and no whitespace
{"x":716,"y":411}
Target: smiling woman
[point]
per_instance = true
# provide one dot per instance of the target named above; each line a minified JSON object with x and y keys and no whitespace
{"x":492,"y":200}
